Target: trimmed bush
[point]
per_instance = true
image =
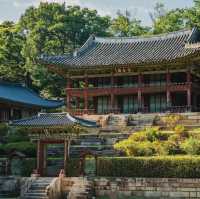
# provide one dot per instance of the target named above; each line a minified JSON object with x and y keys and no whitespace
{"x":155,"y":167}
{"x":29,"y":149}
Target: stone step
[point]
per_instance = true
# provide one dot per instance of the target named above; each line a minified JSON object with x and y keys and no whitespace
{"x":38,"y":189}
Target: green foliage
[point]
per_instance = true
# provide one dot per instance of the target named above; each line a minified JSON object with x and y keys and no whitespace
{"x":73,"y":167}
{"x":11,"y":59}
{"x":18,"y":135}
{"x":171,"y":120}
{"x":124,"y":26}
{"x":191,"y":146}
{"x":181,"y":131}
{"x":3,"y":129}
{"x":27,"y":148}
{"x":149,"y":142}
{"x":29,"y":164}
{"x":155,"y":167}
{"x":54,"y":29}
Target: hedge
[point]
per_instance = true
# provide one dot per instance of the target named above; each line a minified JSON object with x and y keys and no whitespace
{"x":154,"y":167}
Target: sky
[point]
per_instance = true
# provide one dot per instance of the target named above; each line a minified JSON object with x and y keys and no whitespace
{"x":12,"y":9}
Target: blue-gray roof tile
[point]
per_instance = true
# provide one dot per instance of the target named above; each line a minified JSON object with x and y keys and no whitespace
{"x":17,"y":93}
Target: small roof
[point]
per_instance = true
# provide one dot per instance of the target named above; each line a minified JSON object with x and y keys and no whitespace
{"x":124,"y":50}
{"x":16,"y":93}
{"x":48,"y":120}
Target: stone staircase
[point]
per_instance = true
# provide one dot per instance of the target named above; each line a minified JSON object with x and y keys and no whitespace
{"x":81,"y":188}
{"x":9,"y":187}
{"x":38,"y":189}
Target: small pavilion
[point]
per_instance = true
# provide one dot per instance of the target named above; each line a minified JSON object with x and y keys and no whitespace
{"x":53,"y":128}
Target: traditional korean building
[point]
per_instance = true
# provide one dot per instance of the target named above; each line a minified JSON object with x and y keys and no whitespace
{"x":17,"y":101}
{"x":130,"y":75}
{"x":53,"y":128}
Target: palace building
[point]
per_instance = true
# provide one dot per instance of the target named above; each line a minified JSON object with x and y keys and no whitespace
{"x":130,"y":75}
{"x":17,"y":101}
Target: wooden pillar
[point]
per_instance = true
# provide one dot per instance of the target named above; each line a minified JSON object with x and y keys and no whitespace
{"x":168,"y":94}
{"x":140,"y":81}
{"x":86,"y":95}
{"x":189,"y":98}
{"x":189,"y":76}
{"x":68,"y":94}
{"x":40,"y":157}
{"x":189,"y":95}
{"x":66,"y":155}
{"x":112,"y":97}
{"x":44,"y":159}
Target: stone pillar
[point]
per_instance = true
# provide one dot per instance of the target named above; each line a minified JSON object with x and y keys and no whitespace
{"x":168,"y":94}
{"x":40,"y":157}
{"x":66,"y":153}
{"x":86,"y":95}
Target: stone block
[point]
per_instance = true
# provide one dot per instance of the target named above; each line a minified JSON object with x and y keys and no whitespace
{"x":179,"y":194}
{"x":152,"y":194}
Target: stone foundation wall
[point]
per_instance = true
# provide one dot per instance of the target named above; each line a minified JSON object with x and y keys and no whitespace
{"x":148,"y":187}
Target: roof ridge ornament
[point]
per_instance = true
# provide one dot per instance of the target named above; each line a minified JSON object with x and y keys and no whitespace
{"x":85,"y":46}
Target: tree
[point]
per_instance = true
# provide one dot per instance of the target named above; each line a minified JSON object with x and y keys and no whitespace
{"x":124,"y":26}
{"x":174,"y":20}
{"x":11,"y":59}
{"x":159,"y":11}
{"x":54,"y":29}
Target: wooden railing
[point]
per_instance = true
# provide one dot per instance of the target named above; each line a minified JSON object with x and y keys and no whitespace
{"x":171,"y":109}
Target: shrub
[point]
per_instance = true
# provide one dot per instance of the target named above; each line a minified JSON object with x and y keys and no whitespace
{"x":173,"y":145}
{"x":172,"y":120}
{"x":3,"y":129}
{"x":156,"y":167}
{"x":29,"y":165}
{"x":160,"y":148}
{"x":27,"y":148}
{"x":73,"y":167}
{"x":142,"y":143}
{"x":18,"y":135}
{"x":191,"y":146}
{"x":180,"y":130}
{"x":132,"y":148}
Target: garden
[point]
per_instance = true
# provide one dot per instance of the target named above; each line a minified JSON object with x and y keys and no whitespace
{"x":171,"y":152}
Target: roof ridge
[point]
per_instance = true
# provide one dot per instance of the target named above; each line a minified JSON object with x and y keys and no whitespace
{"x":145,"y":37}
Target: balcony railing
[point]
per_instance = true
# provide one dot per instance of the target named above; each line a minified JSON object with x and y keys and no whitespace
{"x":171,"y":109}
{"x":134,"y":86}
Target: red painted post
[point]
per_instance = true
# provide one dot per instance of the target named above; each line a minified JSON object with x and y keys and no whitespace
{"x":140,"y":81}
{"x":168,"y":94}
{"x":40,"y":157}
{"x":112,"y":97}
{"x":189,"y":96}
{"x":86,"y":95}
{"x":68,"y":94}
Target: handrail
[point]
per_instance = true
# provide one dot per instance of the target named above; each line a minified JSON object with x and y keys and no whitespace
{"x":134,"y":86}
{"x":170,"y":109}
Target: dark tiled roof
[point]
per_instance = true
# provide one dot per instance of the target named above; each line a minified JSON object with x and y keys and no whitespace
{"x":136,"y":50}
{"x":52,"y":120}
{"x":17,"y":93}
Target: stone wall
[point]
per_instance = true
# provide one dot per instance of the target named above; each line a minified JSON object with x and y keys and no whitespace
{"x":148,"y":187}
